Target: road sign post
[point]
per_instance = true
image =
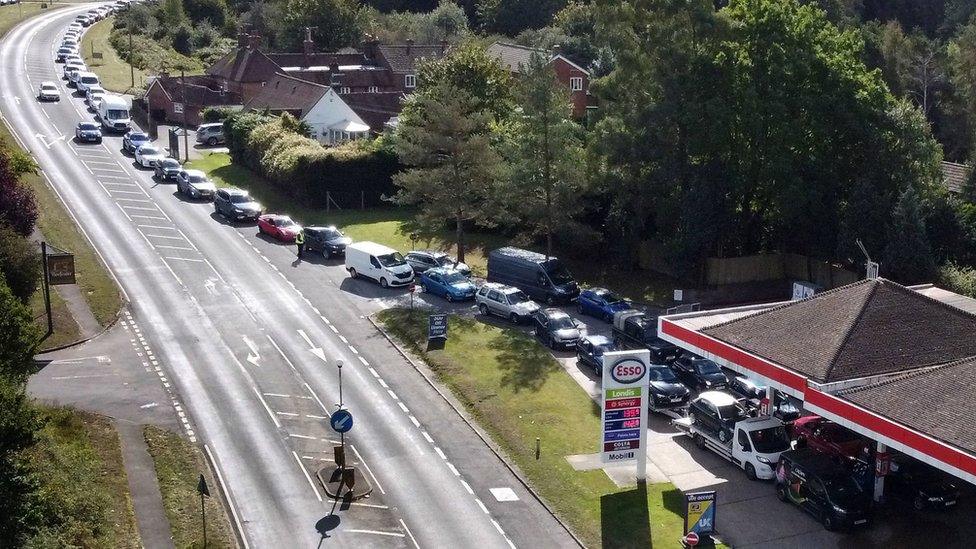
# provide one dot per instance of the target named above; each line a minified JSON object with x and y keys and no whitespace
{"x":203,"y":490}
{"x":624,"y":391}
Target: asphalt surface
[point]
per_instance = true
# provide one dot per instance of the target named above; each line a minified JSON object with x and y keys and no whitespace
{"x":248,"y":339}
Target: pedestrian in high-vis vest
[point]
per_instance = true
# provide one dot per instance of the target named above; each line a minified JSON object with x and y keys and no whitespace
{"x":300,"y":241}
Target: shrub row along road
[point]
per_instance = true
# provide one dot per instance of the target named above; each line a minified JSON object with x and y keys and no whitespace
{"x":250,"y":342}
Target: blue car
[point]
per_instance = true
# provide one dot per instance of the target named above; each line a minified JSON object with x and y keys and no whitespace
{"x":447,"y":283}
{"x":601,"y":303}
{"x":133,"y":140}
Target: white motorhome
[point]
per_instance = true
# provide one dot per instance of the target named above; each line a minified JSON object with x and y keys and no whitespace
{"x":113,"y":111}
{"x":378,"y":262}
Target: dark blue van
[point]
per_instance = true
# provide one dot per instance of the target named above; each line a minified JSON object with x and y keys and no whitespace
{"x":543,"y":279}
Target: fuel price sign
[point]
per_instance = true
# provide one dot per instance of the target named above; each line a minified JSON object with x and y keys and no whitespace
{"x":624,"y":407}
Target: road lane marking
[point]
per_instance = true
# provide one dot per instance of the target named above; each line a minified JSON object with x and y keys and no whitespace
{"x":140,"y":208}
{"x":393,"y":395}
{"x":453,"y":469}
{"x":289,"y":414}
{"x":267,"y":408}
{"x":377,"y":532}
{"x":306,"y":437}
{"x":404,"y":407}
{"x":368,"y":470}
{"x":415,"y":422}
{"x":307,"y":477}
{"x":364,"y":361}
{"x":467,"y":487}
{"x":174,"y":248}
{"x":223,"y":486}
{"x":409,"y":533}
{"x":372,"y":371}
{"x":427,"y":436}
{"x":482,"y":505}
{"x":383,"y":383}
{"x":440,"y":453}
{"x":317,"y":399}
{"x":286,"y":396}
{"x":164,"y":236}
{"x":156,"y":227}
{"x":149,"y":217}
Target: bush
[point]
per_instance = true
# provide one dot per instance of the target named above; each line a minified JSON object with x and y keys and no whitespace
{"x":959,"y":279}
{"x":20,"y":263}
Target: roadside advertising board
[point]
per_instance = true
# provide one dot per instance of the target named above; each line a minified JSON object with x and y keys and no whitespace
{"x":624,"y":390}
{"x":700,"y":512}
{"x":437,"y":327}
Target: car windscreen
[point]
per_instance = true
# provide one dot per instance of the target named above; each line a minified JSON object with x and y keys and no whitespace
{"x":87,"y":127}
{"x":170,"y":163}
{"x":197,"y":179}
{"x":517,"y":297}
{"x":770,"y":440}
{"x":147,"y":150}
{"x":49,"y":88}
{"x":662,"y":374}
{"x":89,"y":79}
{"x":610,"y":297}
{"x":706,"y":367}
{"x":444,"y":261}
{"x":239,"y":198}
{"x":391,"y":260}
{"x":454,"y":278}
{"x":331,"y":234}
{"x":557,"y":272}
{"x":842,"y":488}
{"x":561,"y":323}
{"x":732,"y":412}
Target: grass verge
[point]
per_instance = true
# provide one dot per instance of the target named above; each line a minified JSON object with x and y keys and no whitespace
{"x":12,"y":14}
{"x":391,"y":226}
{"x":178,"y":467}
{"x":517,"y":392}
{"x":112,"y":70}
{"x":78,"y":460}
{"x":59,"y":229}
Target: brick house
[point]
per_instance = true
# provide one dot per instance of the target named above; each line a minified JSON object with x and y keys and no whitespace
{"x":515,"y":58}
{"x":166,"y":102}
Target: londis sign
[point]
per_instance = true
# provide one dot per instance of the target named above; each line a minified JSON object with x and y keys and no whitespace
{"x":624,"y":405}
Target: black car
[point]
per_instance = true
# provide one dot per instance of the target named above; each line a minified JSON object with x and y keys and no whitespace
{"x":556,"y":329}
{"x":717,"y":412}
{"x":752,"y":392}
{"x":699,"y":373}
{"x":167,"y":169}
{"x":86,"y":132}
{"x":329,"y":241}
{"x":814,"y":482}
{"x":424,"y":260}
{"x":133,"y":140}
{"x":920,"y":484}
{"x":236,"y":204}
{"x":590,"y":349}
{"x":666,"y":390}
{"x":636,"y":330}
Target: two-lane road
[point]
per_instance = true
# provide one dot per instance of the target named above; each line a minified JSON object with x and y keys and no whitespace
{"x":250,"y":341}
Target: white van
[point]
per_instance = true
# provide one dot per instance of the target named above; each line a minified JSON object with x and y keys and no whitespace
{"x":86,"y":79}
{"x":113,"y":112}
{"x":379,"y":263}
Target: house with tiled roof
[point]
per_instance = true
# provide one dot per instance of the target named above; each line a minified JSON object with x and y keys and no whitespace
{"x":954,"y":176}
{"x":515,"y":58}
{"x":173,"y":99}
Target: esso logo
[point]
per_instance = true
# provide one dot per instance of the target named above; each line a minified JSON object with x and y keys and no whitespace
{"x":628,"y":370}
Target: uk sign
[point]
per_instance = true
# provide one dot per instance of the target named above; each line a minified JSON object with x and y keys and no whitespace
{"x":624,"y":390}
{"x":700,"y":512}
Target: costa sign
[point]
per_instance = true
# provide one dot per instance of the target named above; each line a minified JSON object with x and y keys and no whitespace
{"x":627,"y":371}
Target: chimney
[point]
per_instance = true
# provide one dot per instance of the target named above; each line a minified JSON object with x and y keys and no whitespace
{"x":253,"y":41}
{"x":409,"y":45}
{"x":370,"y":48}
{"x":443,"y":46}
{"x":308,"y":47}
{"x":241,"y":39}
{"x":556,"y":50}
{"x":335,"y":79}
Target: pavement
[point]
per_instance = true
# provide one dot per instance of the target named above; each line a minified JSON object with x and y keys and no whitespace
{"x":247,"y":341}
{"x":75,"y":301}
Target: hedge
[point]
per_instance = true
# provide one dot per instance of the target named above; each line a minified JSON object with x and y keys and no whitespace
{"x":355,"y":171}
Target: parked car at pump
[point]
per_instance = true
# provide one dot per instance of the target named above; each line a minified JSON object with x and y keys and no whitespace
{"x":589,"y":352}
{"x":328,"y":241}
{"x":133,"y":140}
{"x":813,"y":482}
{"x":148,"y":155}
{"x":447,"y":283}
{"x":635,"y":330}
{"x":699,"y":373}
{"x":754,"y":444}
{"x":195,"y":184}
{"x":379,"y":263}
{"x":505,"y":301}
{"x":236,"y":204}
{"x":666,"y":392}
{"x":556,"y":329}
{"x":830,"y":438}
{"x":541,"y":278}
{"x":601,"y":303}
{"x":48,"y":91}
{"x":210,"y":134}
{"x":86,"y":132}
{"x":421,"y":260}
{"x":752,"y":392}
{"x":279,"y":227}
{"x":167,"y":169}
{"x":717,"y":412}
{"x":920,"y":484}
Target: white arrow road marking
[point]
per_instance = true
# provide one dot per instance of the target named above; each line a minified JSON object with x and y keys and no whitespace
{"x":211,"y":286}
{"x":54,"y":140}
{"x":317,"y":351}
{"x":254,"y":355}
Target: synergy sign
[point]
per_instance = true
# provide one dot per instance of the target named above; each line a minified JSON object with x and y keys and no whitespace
{"x":625,"y":407}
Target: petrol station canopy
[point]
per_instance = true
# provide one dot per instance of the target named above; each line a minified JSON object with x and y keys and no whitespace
{"x":894,"y":363}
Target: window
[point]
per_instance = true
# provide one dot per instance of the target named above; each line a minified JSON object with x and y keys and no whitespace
{"x":576,"y":83}
{"x":410,"y":81}
{"x":373,"y":89}
{"x":345,"y":89}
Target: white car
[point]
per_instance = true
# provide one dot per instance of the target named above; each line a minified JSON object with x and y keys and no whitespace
{"x":73,"y":58}
{"x":86,"y":79}
{"x":96,"y":88}
{"x":94,"y":100}
{"x":148,"y":155}
{"x":49,"y":92}
{"x":71,"y":70}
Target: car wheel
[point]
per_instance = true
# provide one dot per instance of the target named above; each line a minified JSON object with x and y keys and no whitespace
{"x":383,"y":282}
{"x":551,"y":342}
{"x":918,"y":504}
{"x":449,"y":297}
{"x":723,"y":436}
{"x":483,"y":309}
{"x":579,"y":307}
{"x":326,"y":254}
{"x":750,"y":472}
{"x":514,"y":318}
{"x":212,"y":141}
{"x":353,"y":273}
{"x":781,"y":493}
{"x":829,"y":522}
{"x":699,"y":440}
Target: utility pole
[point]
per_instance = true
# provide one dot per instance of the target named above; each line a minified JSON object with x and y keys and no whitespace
{"x":186,"y":138}
{"x":47,"y":289}
{"x":132,"y":70}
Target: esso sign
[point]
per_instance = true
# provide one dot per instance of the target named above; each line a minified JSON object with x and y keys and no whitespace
{"x":628,"y":370}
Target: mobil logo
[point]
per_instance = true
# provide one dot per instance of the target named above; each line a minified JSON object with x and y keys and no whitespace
{"x":628,"y":370}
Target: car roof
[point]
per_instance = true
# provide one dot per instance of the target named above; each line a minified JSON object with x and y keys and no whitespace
{"x":322,"y":228}
{"x":443,"y":270}
{"x":598,"y":291}
{"x":48,"y":84}
{"x":599,"y":339}
{"x":195,"y":172}
{"x":87,"y":125}
{"x":552,"y":312}
{"x":236,"y":192}
{"x":814,"y":462}
{"x":133,"y":134}
{"x":718,"y":398}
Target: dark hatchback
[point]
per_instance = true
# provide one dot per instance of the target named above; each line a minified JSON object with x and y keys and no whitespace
{"x":814,"y":482}
{"x":328,"y":241}
{"x":699,"y":373}
{"x":590,"y":349}
{"x":919,"y":484}
{"x":87,"y":132}
{"x":167,"y":169}
{"x":666,"y":390}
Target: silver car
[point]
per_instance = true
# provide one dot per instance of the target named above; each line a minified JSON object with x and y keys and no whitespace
{"x":505,"y":301}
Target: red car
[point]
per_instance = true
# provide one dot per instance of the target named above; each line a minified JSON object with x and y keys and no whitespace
{"x":830,"y":438}
{"x":280,"y":227}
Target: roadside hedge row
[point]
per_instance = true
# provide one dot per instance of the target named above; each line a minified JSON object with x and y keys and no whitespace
{"x":276,"y":147}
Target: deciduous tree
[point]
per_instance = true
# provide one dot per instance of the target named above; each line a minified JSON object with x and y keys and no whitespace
{"x":20,"y":263}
